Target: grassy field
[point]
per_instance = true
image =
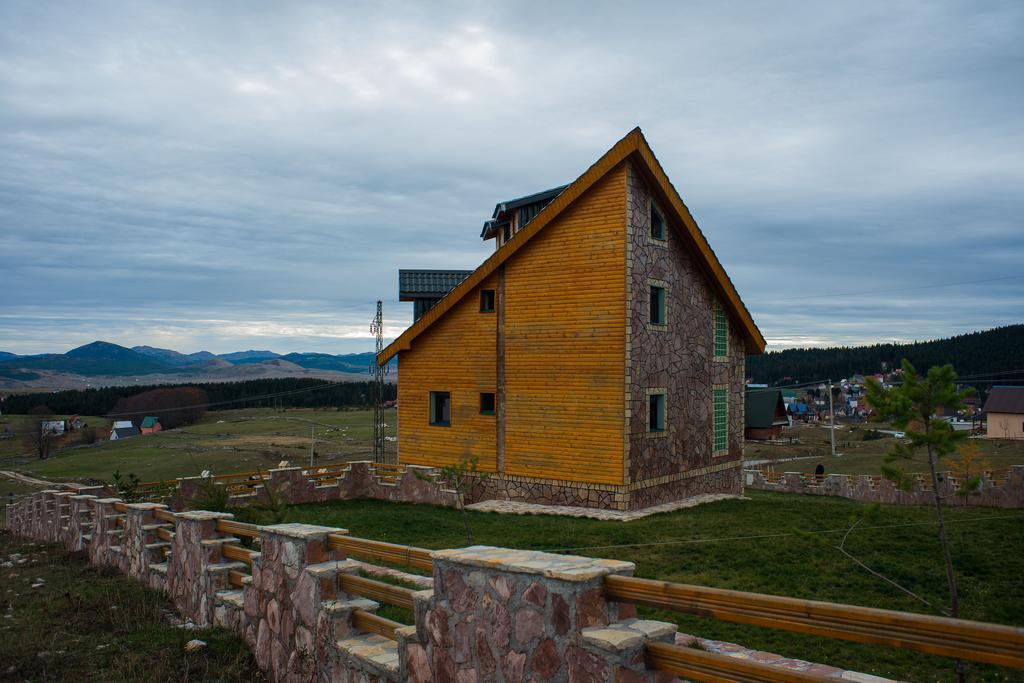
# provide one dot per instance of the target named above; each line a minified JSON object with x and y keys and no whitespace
{"x":92,"y":624}
{"x":855,"y":455}
{"x":21,"y":426}
{"x":223,"y":442}
{"x":752,"y":545}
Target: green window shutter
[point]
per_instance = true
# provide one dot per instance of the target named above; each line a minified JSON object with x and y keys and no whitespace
{"x":721,"y":332}
{"x":721,"y":420}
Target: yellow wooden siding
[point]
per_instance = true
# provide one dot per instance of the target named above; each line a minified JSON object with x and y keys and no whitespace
{"x":456,"y":354}
{"x":565,"y":328}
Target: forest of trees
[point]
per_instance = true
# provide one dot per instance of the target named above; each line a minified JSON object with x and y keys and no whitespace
{"x":282,"y":392}
{"x":995,"y":350}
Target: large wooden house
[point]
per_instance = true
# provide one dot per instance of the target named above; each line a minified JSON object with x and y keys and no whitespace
{"x":595,"y":359}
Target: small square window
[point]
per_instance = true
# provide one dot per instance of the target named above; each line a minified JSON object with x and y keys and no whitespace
{"x":656,"y":413}
{"x":657,"y":305}
{"x":440,"y":408}
{"x":487,"y":404}
{"x":657,"y":223}
{"x":487,"y":301}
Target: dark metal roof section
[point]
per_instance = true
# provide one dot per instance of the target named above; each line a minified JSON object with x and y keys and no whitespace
{"x":125,"y":432}
{"x":1005,"y":400}
{"x":764,"y":408}
{"x":529,"y":206}
{"x":428,"y":284}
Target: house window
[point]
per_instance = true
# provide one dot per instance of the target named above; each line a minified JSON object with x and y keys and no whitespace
{"x":657,"y":223}
{"x":487,"y":404}
{"x":721,"y":332}
{"x":487,"y":301}
{"x":657,"y":305}
{"x":656,"y":412}
{"x":440,"y":408}
{"x":721,"y":438}
{"x":506,"y":233}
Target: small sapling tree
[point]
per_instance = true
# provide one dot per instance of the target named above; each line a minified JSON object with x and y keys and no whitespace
{"x":911,"y":407}
{"x":459,"y":477}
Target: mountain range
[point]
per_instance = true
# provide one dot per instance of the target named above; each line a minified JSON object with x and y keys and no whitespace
{"x":107,"y":363}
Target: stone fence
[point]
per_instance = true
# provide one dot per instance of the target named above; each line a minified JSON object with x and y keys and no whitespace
{"x":1004,"y":489}
{"x":492,"y":614}
{"x":295,"y":485}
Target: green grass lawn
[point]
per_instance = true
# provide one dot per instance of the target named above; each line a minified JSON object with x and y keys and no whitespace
{"x":751,"y":545}
{"x":89,"y":624}
{"x":223,"y":442}
{"x":857,"y":456}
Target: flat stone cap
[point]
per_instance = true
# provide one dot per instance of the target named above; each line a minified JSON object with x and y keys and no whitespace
{"x":146,"y":506}
{"x":83,"y":496}
{"x":626,"y":634}
{"x":108,"y":500}
{"x":203,"y":515}
{"x":563,"y":567}
{"x":302,"y":530}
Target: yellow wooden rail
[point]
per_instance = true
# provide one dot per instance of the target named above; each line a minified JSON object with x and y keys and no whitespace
{"x":371,"y":623}
{"x":165,"y":516}
{"x":398,"y":596}
{"x":418,"y":558}
{"x":976,"y":641}
{"x":236,"y":578}
{"x":229,"y":526}
{"x":691,"y":663}
{"x":238,"y":554}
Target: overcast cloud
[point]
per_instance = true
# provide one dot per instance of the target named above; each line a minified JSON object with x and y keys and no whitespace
{"x":234,"y":175}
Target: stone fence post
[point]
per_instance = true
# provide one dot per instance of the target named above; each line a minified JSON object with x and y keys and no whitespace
{"x":105,"y":540}
{"x":196,"y":569}
{"x":80,"y":522}
{"x":508,"y":615}
{"x":293,"y":577}
{"x":140,"y":544}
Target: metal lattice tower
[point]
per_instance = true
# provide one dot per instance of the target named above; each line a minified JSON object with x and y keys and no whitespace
{"x":378,"y":372}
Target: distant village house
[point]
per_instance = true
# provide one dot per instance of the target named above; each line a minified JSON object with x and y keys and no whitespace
{"x":1005,"y":413}
{"x":765,"y":415}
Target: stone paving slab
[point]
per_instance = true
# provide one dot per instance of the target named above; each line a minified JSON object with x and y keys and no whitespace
{"x":515,"y":507}
{"x":772,"y":659}
{"x":563,"y":567}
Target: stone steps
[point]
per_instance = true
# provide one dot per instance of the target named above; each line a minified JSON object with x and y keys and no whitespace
{"x":375,"y":653}
{"x":233,"y":598}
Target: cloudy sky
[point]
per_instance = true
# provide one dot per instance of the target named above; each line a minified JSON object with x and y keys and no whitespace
{"x":238,"y":175}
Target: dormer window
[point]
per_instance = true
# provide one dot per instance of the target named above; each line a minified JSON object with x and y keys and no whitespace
{"x":506,"y":233}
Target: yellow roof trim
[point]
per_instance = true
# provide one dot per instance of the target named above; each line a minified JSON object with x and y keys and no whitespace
{"x":633,"y":144}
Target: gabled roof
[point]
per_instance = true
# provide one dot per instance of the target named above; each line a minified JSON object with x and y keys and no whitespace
{"x":764,"y":409}
{"x":502,"y":209}
{"x":1005,"y":400}
{"x":148,"y":421}
{"x":124,"y":432}
{"x":634,"y":146}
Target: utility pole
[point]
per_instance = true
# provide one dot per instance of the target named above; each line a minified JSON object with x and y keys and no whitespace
{"x":831,"y":419}
{"x":378,"y":372}
{"x":312,"y":443}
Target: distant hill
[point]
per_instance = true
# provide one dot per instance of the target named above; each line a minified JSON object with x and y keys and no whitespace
{"x":107,"y":362}
{"x":174,"y":357}
{"x":995,"y":350}
{"x":247,"y":356}
{"x":97,"y":358}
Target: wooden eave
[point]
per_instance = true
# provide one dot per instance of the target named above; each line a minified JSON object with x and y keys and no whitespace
{"x":633,"y":146}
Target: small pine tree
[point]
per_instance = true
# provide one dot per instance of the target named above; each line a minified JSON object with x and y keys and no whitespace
{"x":911,"y":407}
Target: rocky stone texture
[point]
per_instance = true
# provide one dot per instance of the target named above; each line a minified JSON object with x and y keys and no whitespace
{"x":513,"y":507}
{"x":195,"y":556}
{"x":679,"y":358}
{"x":1009,"y":494}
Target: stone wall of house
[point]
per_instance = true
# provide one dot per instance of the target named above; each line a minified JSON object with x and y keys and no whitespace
{"x":493,"y":614}
{"x":874,"y":489}
{"x":679,"y":359}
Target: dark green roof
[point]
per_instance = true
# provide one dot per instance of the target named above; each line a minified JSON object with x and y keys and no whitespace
{"x":762,"y":407}
{"x":417,"y":284}
{"x":148,"y":421}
